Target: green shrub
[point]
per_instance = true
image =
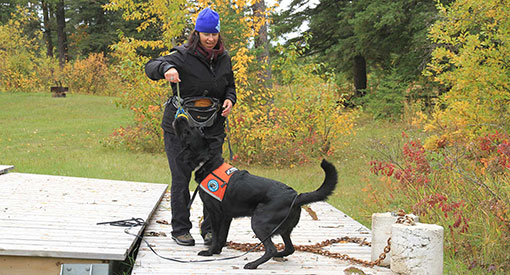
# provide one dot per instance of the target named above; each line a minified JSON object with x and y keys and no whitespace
{"x":387,"y":99}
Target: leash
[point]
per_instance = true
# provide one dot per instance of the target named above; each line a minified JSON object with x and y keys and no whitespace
{"x":134,"y":222}
{"x":193,"y":197}
{"x":228,"y":140}
{"x":180,"y":111}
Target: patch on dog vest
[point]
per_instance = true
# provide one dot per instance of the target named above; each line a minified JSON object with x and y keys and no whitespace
{"x":216,"y":182}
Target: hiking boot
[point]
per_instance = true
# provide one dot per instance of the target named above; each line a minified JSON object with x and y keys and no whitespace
{"x":184,"y":239}
{"x":208,"y":238}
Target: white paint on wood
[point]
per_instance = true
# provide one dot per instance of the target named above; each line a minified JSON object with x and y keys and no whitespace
{"x":331,"y":224}
{"x":417,"y":249}
{"x":54,"y":216}
{"x":381,"y":232}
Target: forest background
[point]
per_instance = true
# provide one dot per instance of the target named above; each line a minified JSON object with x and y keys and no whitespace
{"x":438,"y":68}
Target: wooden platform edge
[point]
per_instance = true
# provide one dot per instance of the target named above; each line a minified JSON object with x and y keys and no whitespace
{"x":4,"y":169}
{"x":20,"y":265}
{"x":140,"y":232}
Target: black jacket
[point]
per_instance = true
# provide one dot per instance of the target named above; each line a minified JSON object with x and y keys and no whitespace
{"x":199,"y":77}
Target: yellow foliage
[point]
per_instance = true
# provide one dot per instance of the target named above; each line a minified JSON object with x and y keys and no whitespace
{"x":91,"y":76}
{"x":472,"y":63}
{"x":293,"y":123}
{"x":23,"y":64}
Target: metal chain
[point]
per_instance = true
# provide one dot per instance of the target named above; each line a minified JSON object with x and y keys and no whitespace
{"x":317,"y":248}
{"x":406,"y":219}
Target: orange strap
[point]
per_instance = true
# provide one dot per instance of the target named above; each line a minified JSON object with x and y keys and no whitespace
{"x":216,"y":182}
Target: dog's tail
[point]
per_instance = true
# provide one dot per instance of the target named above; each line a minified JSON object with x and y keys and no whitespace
{"x":326,"y":188}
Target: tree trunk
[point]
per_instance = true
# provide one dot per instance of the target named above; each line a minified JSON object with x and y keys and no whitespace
{"x":47,"y":28}
{"x":62,"y":37}
{"x":261,"y":43}
{"x":360,"y":75}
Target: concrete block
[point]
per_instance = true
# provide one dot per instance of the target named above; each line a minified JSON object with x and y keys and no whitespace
{"x":381,"y":231}
{"x":417,"y":249}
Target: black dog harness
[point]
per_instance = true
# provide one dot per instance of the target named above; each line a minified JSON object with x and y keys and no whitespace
{"x":215,"y":184}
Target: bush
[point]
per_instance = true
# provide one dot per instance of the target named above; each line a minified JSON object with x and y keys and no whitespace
{"x":387,"y":99}
{"x":464,"y":188}
{"x":145,"y":135}
{"x":292,"y":123}
{"x":91,"y":75}
{"x":471,"y":62}
{"x":141,"y":95}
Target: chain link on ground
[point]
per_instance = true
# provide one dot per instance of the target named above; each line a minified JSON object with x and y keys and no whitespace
{"x":317,"y":248}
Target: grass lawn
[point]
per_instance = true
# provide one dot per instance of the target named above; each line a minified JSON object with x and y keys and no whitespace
{"x":61,"y":136}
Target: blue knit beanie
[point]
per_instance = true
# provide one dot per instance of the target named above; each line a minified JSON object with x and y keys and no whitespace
{"x":208,"y":21}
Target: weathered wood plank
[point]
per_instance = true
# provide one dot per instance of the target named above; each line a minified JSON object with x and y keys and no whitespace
{"x":54,"y":216}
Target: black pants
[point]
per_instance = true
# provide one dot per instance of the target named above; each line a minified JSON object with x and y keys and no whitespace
{"x":179,"y":191}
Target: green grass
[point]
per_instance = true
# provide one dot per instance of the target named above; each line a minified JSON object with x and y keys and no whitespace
{"x":61,"y":136}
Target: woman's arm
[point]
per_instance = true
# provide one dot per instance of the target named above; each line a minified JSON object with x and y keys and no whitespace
{"x":156,"y":68}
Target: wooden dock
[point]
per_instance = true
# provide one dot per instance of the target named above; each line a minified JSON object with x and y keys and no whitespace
{"x":46,"y":221}
{"x":331,"y":224}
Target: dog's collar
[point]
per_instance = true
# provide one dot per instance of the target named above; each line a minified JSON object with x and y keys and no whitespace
{"x":215,"y":184}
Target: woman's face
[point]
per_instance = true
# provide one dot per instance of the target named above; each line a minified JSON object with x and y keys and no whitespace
{"x":209,"y":40}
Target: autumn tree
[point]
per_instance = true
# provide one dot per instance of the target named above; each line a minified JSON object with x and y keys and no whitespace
{"x":471,"y":61}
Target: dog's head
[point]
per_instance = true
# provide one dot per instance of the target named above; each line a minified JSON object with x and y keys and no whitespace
{"x":194,"y":143}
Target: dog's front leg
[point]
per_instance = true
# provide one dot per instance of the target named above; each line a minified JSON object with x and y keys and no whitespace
{"x":216,"y":221}
{"x":223,"y":234}
{"x":220,"y":237}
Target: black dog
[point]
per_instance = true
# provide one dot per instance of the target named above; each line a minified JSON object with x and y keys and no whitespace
{"x":266,"y":201}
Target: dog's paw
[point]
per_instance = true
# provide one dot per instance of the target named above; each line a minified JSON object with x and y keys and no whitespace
{"x":216,"y":251}
{"x":250,"y":266}
{"x":205,"y":253}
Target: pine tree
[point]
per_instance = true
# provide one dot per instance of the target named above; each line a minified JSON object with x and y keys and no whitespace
{"x":354,"y":36}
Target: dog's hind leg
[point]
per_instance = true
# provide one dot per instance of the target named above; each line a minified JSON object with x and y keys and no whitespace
{"x":286,"y":230}
{"x":262,"y":228}
{"x":270,"y":252}
{"x":289,"y":247}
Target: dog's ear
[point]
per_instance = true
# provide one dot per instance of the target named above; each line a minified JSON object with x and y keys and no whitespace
{"x":182,"y":128}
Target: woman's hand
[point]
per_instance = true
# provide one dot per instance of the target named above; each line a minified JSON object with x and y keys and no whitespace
{"x":227,"y":107}
{"x":172,"y":75}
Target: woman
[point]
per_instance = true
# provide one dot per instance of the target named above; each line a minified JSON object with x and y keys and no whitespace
{"x":201,"y":67}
